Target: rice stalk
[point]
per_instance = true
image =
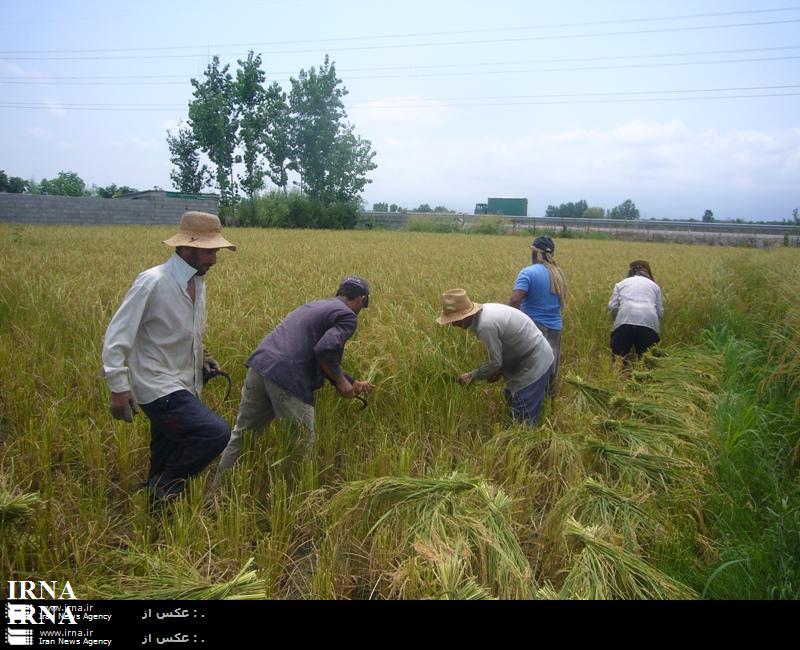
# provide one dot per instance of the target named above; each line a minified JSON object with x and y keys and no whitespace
{"x":604,"y":570}
{"x":17,"y":506}
{"x":175,"y":579}
{"x":389,"y":515}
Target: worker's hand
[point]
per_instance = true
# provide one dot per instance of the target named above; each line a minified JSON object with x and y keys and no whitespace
{"x":123,"y":406}
{"x":345,"y":388}
{"x":466,"y":378}
{"x":211,"y":367}
{"x":362,"y":387}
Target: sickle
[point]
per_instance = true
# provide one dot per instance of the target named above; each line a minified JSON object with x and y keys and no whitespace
{"x":222,"y":373}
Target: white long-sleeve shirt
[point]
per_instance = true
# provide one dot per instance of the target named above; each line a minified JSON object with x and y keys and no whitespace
{"x":514,"y":346}
{"x":637,"y":301}
{"x":154,"y":343}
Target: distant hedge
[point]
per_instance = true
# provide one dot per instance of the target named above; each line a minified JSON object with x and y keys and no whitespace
{"x":277,"y":210}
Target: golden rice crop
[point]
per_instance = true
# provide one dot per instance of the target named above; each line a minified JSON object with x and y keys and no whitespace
{"x":432,"y":492}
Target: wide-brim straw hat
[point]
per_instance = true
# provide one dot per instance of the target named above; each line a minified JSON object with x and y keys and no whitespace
{"x":457,"y":306}
{"x":199,"y":230}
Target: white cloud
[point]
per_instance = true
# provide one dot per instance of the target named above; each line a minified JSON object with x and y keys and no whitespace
{"x":132,"y":140}
{"x":40,"y":134}
{"x":54,"y":107}
{"x":656,"y":163}
{"x":400,"y":110}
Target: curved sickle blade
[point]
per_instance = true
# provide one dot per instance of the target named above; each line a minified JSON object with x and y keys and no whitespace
{"x":364,"y":402}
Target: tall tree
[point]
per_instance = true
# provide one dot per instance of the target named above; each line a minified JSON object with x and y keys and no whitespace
{"x":331,"y":160}
{"x":278,"y":136}
{"x":250,"y":104}
{"x":214,"y":124}
{"x":708,"y":216}
{"x":188,"y":175}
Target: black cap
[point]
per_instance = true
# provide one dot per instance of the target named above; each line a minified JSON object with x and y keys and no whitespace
{"x":353,"y":286}
{"x":544,"y":244}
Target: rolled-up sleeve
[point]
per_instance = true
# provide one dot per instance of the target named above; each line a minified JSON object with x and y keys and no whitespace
{"x":330,"y":347}
{"x":121,"y":335}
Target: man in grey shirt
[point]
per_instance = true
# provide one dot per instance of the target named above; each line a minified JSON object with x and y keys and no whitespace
{"x":516,"y":350}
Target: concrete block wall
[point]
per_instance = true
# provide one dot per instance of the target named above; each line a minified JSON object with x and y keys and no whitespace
{"x":156,"y":209}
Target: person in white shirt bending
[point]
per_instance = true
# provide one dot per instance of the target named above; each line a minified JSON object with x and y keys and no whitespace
{"x":516,"y":350}
{"x":637,"y":309}
{"x":153,"y":357}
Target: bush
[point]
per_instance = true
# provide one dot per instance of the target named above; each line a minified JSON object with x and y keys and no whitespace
{"x":433,"y":224}
{"x":294,"y":210}
{"x":488,"y":226}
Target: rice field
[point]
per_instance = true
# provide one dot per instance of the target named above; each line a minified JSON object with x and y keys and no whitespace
{"x":431,"y":492}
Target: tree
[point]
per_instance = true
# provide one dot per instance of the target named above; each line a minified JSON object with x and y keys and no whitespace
{"x":214,"y":124}
{"x":277,"y":138}
{"x":625,"y":210}
{"x":796,"y":215}
{"x":250,"y":99}
{"x":189,"y":175}
{"x":331,"y":160}
{"x":13,"y":184}
{"x":380,"y":207}
{"x":567,"y":210}
{"x":112,"y":191}
{"x":593,"y":213}
{"x":65,"y":184}
{"x":708,"y":216}
{"x":423,"y":207}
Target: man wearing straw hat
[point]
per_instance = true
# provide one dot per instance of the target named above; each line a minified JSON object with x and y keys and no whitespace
{"x":153,"y":357}
{"x":516,"y":350}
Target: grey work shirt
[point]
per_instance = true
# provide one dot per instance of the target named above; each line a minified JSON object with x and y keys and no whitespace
{"x":290,"y":355}
{"x":514,"y":345}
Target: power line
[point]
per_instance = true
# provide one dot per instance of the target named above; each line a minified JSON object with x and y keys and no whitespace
{"x":630,"y":66}
{"x":472,"y":64}
{"x":509,"y":100}
{"x":620,"y":21}
{"x":526,"y":103}
{"x":417,"y":45}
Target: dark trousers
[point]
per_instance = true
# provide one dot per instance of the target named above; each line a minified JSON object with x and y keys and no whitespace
{"x":185,"y":436}
{"x":526,"y":404}
{"x":626,"y":337}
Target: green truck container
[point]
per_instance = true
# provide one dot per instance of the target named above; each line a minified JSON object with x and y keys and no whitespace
{"x":506,"y":207}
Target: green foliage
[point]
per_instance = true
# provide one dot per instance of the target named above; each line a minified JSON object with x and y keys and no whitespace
{"x":487,"y":226}
{"x":250,"y":98}
{"x":708,"y":216}
{"x":380,"y":207}
{"x":417,"y":223}
{"x":65,"y":184}
{"x":214,"y":123}
{"x":331,"y":160}
{"x":625,"y":210}
{"x":293,"y":210}
{"x":593,"y":213}
{"x":567,"y":210}
{"x":188,"y":175}
{"x":13,"y":184}
{"x":112,"y":191}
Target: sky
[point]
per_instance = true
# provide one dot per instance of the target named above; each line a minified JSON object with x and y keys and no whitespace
{"x":679,"y":106}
